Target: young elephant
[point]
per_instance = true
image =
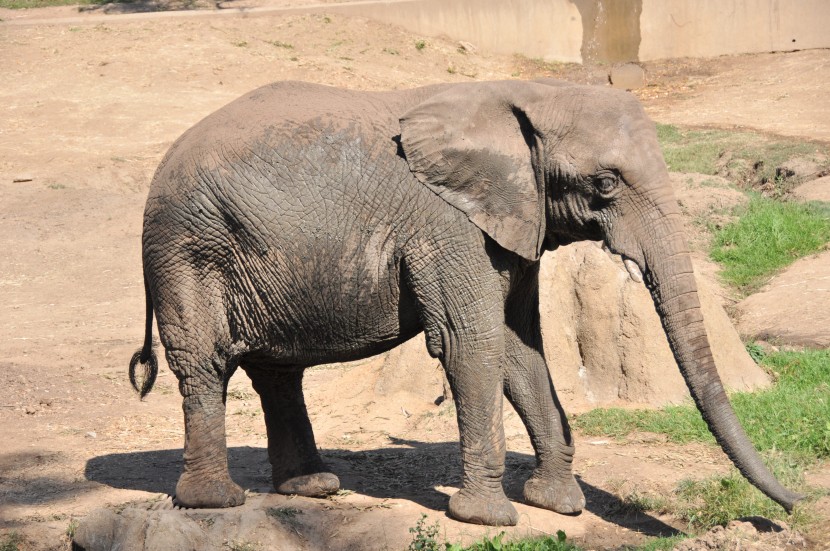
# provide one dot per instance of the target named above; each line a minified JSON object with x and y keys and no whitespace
{"x":303,"y":224}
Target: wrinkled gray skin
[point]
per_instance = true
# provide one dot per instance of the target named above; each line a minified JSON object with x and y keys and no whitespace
{"x":303,"y":224}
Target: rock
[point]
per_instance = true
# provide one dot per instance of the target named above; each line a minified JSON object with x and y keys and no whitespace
{"x":467,"y":47}
{"x":814,"y":190}
{"x":604,"y":340}
{"x":628,"y":76}
{"x":793,"y":308}
{"x":143,"y":528}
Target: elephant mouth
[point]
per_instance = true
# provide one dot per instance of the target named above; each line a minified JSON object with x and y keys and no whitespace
{"x":631,"y":266}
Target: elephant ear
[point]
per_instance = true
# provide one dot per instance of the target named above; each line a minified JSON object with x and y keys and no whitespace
{"x":474,"y":145}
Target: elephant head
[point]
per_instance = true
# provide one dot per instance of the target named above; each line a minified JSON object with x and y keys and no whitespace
{"x":536,"y":165}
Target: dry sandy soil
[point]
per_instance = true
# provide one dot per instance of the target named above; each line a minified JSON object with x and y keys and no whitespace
{"x":90,"y":102}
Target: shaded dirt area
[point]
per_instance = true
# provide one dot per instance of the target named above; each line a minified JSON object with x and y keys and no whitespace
{"x":87,"y":109}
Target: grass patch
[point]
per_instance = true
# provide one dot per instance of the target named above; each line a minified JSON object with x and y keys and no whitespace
{"x":789,"y":423}
{"x":11,"y":542}
{"x":425,"y":538}
{"x":717,"y":500}
{"x":748,"y":158}
{"x":767,"y":236}
{"x":793,"y":416}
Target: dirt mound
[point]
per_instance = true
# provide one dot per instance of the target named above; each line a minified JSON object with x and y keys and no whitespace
{"x":605,"y":341}
{"x":793,"y":308}
{"x":814,"y":190}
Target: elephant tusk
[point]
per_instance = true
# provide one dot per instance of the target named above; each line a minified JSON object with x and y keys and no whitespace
{"x":633,"y":270}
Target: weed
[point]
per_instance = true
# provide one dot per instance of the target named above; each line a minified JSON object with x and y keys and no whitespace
{"x":240,"y":44}
{"x":280,"y":44}
{"x":239,"y":394}
{"x":452,"y":70}
{"x":546,"y":543}
{"x":241,"y":546}
{"x":326,"y":19}
{"x":286,"y":515}
{"x":424,"y":536}
{"x":420,"y":44}
{"x":766,"y":237}
{"x":56,"y":186}
{"x":391,"y":51}
{"x":11,"y":542}
{"x":71,"y":529}
{"x":755,"y":351}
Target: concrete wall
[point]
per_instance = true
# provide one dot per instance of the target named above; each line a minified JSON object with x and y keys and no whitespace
{"x":678,"y":28}
{"x":612,"y":30}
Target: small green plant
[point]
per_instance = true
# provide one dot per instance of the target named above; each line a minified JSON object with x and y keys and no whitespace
{"x":240,"y":43}
{"x":11,"y":542}
{"x":755,"y":351}
{"x":326,"y":19}
{"x":56,"y":186}
{"x":424,"y":536}
{"x":420,"y":44}
{"x":452,"y":70}
{"x":241,"y":546}
{"x":286,"y":515}
{"x":768,"y":236}
{"x":391,"y":51}
{"x":71,"y":529}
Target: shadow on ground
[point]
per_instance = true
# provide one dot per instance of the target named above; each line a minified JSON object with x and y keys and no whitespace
{"x":143,"y":6}
{"x":412,"y":471}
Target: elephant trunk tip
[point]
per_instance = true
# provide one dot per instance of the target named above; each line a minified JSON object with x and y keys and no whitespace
{"x":146,"y":357}
{"x":789,"y":500}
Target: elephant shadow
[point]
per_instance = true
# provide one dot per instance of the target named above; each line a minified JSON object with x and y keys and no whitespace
{"x":409,"y":469}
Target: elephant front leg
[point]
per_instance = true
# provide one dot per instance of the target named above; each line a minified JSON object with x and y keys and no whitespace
{"x":205,"y":481}
{"x":472,"y":365}
{"x":529,"y":389}
{"x":296,"y":465}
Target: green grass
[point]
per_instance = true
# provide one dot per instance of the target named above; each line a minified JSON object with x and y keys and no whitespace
{"x":10,"y":541}
{"x":425,"y":538}
{"x":792,"y":416}
{"x":789,"y":424}
{"x":748,"y":157}
{"x":717,"y":500}
{"x":767,"y":236}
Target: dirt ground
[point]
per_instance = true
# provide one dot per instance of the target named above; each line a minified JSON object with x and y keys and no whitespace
{"x":90,"y":102}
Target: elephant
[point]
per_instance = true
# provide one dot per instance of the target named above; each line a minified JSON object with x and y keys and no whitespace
{"x":303,"y":224}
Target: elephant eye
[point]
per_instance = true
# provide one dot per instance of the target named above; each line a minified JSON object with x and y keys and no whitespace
{"x":607,"y":184}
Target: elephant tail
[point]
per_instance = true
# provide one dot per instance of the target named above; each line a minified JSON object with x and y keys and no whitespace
{"x":146,"y":356}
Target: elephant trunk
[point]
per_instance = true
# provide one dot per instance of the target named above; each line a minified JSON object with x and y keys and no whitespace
{"x":671,"y":280}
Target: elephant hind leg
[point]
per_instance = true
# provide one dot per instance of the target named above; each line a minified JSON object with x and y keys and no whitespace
{"x":296,"y":465}
{"x":205,"y":481}
{"x":192,"y":328}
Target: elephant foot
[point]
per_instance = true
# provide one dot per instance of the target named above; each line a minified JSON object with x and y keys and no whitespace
{"x":208,"y":493}
{"x":309,"y":485}
{"x":490,"y":509}
{"x":561,"y":496}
